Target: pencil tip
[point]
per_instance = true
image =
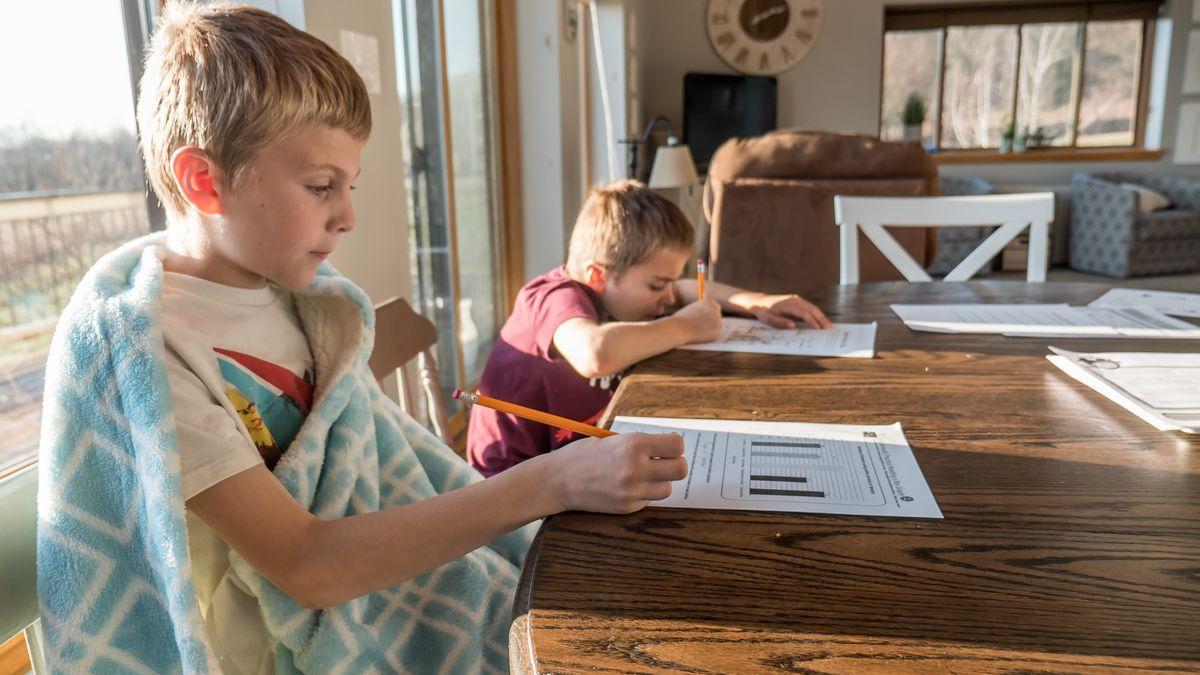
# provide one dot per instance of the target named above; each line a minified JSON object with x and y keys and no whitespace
{"x":456,"y":395}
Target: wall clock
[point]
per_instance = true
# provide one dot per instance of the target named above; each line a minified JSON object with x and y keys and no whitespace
{"x":763,"y":37}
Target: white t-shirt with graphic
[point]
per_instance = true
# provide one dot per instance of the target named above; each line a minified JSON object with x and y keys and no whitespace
{"x":240,"y":371}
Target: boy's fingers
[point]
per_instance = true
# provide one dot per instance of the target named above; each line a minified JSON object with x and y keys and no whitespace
{"x":814,"y":319}
{"x":658,"y":491}
{"x":660,"y":445}
{"x":776,"y":320}
{"x":671,"y":469}
{"x":812,"y":316}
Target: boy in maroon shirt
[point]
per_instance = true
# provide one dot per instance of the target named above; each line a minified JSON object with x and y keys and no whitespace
{"x":617,"y":301}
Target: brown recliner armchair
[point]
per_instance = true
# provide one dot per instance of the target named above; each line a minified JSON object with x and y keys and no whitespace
{"x":768,"y":203}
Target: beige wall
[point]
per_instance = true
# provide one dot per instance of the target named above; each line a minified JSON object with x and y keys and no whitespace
{"x":376,"y":254}
{"x":837,"y":85}
{"x":550,"y":132}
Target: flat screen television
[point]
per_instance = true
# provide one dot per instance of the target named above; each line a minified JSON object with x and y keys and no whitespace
{"x":719,"y":107}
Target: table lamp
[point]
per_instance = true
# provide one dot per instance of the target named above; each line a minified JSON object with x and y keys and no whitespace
{"x":673,"y":166}
{"x":674,"y":174}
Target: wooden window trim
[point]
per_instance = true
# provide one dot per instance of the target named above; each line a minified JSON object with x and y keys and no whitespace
{"x":1056,"y":154}
{"x":17,"y":466}
{"x":14,"y":656}
{"x":511,"y":205}
{"x":927,"y":17}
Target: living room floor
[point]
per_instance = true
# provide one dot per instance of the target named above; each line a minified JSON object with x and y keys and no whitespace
{"x":1187,"y":283}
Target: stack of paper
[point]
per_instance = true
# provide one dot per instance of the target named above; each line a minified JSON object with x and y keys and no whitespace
{"x":1045,"y":321}
{"x":854,"y":340}
{"x":1175,"y":304}
{"x":1161,"y":388}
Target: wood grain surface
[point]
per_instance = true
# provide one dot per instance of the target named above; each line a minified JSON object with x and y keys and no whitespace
{"x":1071,"y":538}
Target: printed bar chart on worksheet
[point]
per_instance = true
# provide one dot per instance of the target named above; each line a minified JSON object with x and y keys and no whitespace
{"x":786,"y":467}
{"x":782,"y":466}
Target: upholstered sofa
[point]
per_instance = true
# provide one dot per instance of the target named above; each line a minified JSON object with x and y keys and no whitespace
{"x":768,"y":206}
{"x":1110,"y":236}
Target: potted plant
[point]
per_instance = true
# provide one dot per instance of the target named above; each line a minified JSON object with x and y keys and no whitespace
{"x":1008,"y":135}
{"x":1038,"y":137}
{"x":913,"y":116}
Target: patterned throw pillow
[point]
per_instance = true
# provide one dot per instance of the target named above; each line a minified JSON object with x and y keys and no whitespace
{"x":1149,"y":200}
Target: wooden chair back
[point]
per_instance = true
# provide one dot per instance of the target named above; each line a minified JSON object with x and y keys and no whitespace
{"x":400,"y":336}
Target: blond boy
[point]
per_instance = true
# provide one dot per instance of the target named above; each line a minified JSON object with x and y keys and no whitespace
{"x":254,"y":503}
{"x":617,"y":301}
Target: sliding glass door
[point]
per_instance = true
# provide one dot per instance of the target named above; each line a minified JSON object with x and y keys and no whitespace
{"x":446,"y":66}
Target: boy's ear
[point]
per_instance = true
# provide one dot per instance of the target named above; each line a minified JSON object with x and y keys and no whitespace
{"x":196,"y":175}
{"x":595,"y":276}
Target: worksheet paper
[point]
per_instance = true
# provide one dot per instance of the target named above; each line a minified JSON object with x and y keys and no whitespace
{"x":1161,"y":388}
{"x":1045,"y":321}
{"x":843,"y":469}
{"x":854,"y":340}
{"x":1165,"y":302}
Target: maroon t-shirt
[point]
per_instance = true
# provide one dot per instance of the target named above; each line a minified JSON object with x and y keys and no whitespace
{"x":524,"y":368}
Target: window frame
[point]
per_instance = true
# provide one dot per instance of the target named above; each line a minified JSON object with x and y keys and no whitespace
{"x":431,"y":179}
{"x":139,"y":17}
{"x":1084,"y":13}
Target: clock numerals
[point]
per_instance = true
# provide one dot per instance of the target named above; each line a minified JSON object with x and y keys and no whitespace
{"x":741,"y":57}
{"x":810,"y":13}
{"x":787,"y":55}
{"x":764,"y":62}
{"x":804,"y":36}
{"x":725,"y":39}
{"x":720,"y":19}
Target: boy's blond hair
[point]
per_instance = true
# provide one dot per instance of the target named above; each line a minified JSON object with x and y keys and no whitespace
{"x":621,"y":224}
{"x":232,"y":80}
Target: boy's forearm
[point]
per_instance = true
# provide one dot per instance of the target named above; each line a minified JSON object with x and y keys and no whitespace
{"x":350,"y":557}
{"x":730,"y":298}
{"x":623,"y":344}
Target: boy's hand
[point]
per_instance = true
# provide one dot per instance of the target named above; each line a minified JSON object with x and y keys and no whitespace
{"x":618,"y":474}
{"x":702,"y":320}
{"x":781,"y":311}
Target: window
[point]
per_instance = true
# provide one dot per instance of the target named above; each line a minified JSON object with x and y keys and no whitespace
{"x":447,"y":91}
{"x":71,"y":185}
{"x":1065,"y":75}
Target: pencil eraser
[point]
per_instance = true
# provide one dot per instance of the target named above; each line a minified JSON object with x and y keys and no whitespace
{"x":457,"y":394}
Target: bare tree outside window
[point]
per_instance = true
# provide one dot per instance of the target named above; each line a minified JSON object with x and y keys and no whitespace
{"x":1110,"y":83}
{"x":1045,"y":82}
{"x":1046,"y":93}
{"x":980,"y":73}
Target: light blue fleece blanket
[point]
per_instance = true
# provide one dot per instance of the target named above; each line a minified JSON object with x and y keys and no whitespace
{"x":114,"y":575}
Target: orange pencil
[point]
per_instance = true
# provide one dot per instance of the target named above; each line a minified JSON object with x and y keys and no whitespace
{"x":701,"y":268}
{"x":531,"y":414}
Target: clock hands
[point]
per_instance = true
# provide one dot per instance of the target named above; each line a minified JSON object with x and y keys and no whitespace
{"x":768,"y":13}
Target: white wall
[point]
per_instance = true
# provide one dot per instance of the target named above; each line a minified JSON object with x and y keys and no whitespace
{"x":543,"y":163}
{"x":375,"y":255}
{"x":562,"y":115}
{"x":837,"y":85}
{"x":608,"y":159}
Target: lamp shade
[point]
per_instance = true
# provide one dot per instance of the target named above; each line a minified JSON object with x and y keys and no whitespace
{"x":673,"y":167}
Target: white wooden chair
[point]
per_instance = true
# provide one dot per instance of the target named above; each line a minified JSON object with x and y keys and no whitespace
{"x":1012,"y":213}
{"x":401,"y":335}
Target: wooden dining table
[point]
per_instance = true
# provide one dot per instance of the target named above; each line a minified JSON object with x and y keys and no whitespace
{"x":1070,"y":540}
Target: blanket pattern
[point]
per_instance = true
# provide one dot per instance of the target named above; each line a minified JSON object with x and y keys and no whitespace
{"x":114,"y":575}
